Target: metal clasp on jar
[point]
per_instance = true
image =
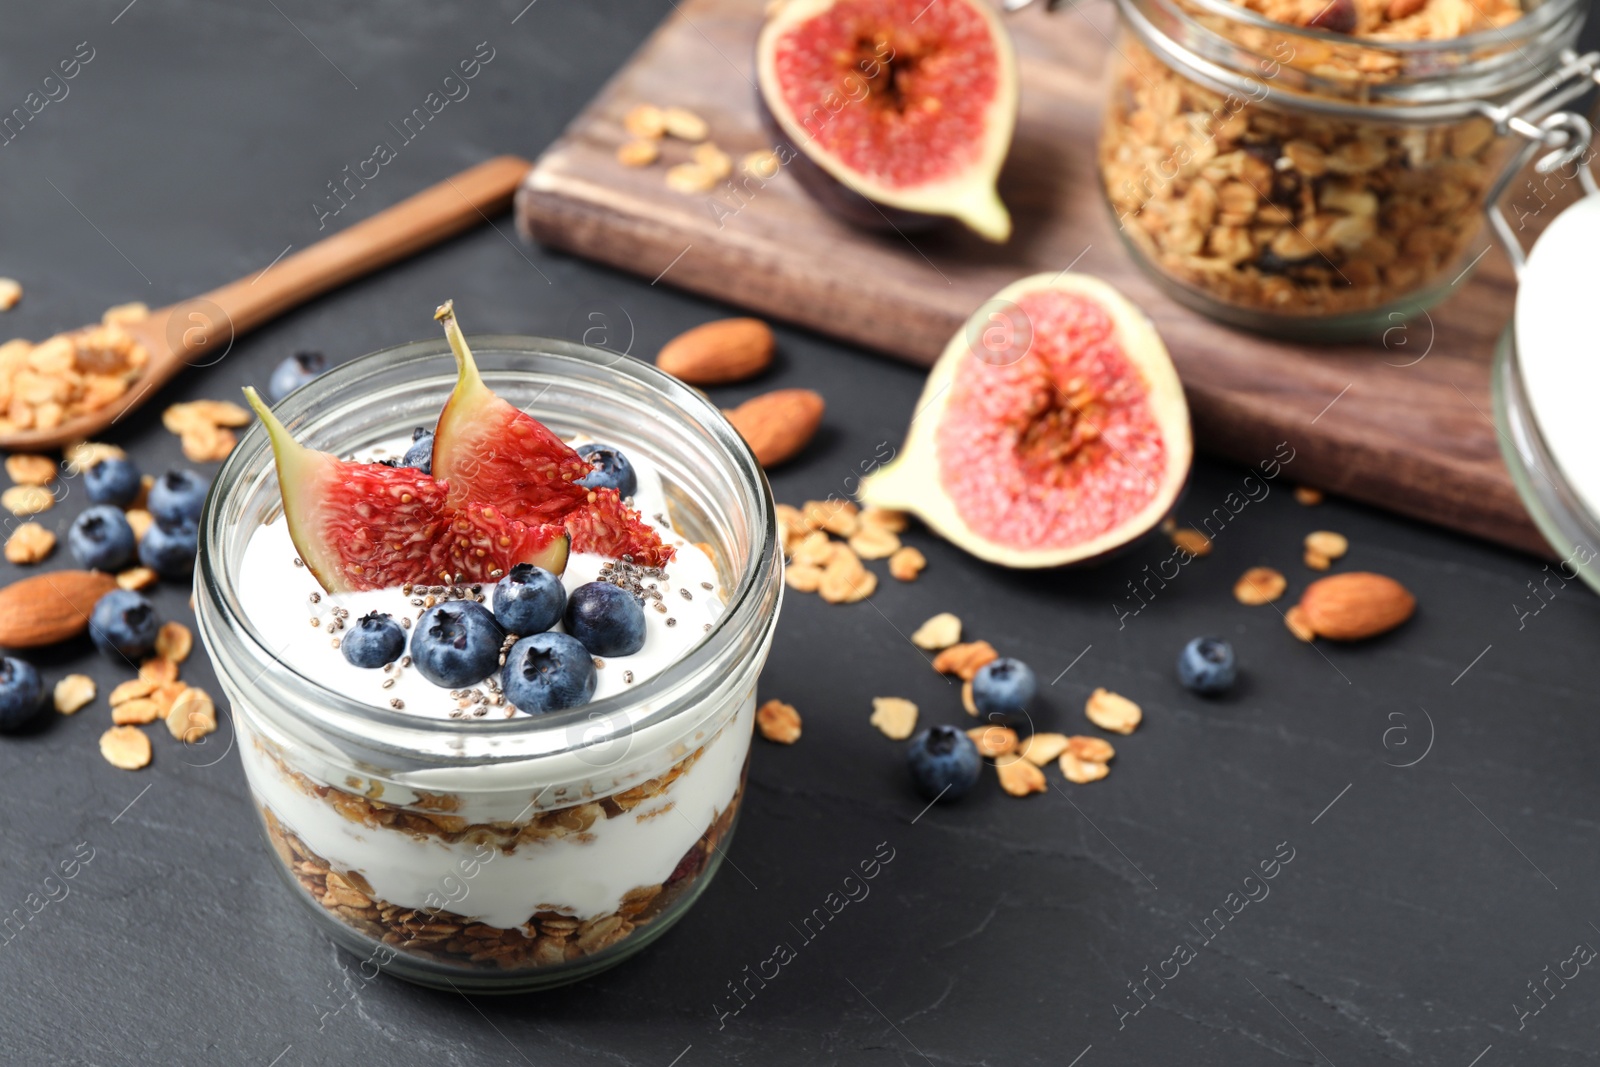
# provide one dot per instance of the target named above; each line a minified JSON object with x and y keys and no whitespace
{"x":1564,"y":137}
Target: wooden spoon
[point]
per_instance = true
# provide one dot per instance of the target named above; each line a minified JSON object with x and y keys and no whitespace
{"x":199,"y":332}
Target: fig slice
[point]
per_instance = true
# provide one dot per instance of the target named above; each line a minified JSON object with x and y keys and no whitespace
{"x":607,"y":527}
{"x":1053,"y":429}
{"x":371,"y":526}
{"x":902,"y":111}
{"x":485,"y":449}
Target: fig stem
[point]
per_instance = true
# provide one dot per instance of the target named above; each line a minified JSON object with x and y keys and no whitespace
{"x":467,"y":377}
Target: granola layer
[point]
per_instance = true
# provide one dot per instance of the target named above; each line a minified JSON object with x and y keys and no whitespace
{"x":549,"y":937}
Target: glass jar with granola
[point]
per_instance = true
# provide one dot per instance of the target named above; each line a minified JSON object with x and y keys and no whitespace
{"x":470,"y":835}
{"x":1319,"y":168}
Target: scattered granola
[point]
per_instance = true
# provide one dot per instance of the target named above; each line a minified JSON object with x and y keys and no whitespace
{"x":716,"y":162}
{"x":1113,"y":712}
{"x":29,"y":543}
{"x":763,"y":164}
{"x":844,"y":579}
{"x":967,"y":702}
{"x":1295,"y":620}
{"x":1304,"y":494}
{"x":24,"y":500}
{"x":874,"y":542}
{"x":639,"y":152}
{"x":684,"y":124}
{"x":1093,"y":749}
{"x":193,"y":715}
{"x":71,"y":374}
{"x":1018,"y":777}
{"x":1039,"y":749}
{"x":993,"y":741}
{"x":85,"y":454}
{"x":10,"y":293}
{"x":206,"y":427}
{"x":1192,"y":541}
{"x":137,"y":578}
{"x":645,"y":120}
{"x":174,"y":642}
{"x":964,"y":661}
{"x":125,"y":747}
{"x":690,"y":178}
{"x":886,"y":518}
{"x":939,"y":632}
{"x":778,"y":722}
{"x":132,"y":689}
{"x":1327,"y":544}
{"x":895,"y":717}
{"x":137,"y":712}
{"x":158,"y":669}
{"x":1259,"y":585}
{"x":27,"y":469}
{"x":906,"y":564}
{"x":1082,"y":771}
{"x":73,"y":693}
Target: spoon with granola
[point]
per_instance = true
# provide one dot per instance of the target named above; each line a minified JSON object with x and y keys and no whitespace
{"x":77,"y":383}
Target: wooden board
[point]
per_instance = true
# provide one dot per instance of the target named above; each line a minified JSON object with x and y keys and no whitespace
{"x":1404,"y":425}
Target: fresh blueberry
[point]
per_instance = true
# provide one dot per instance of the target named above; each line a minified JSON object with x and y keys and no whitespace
{"x":124,"y":624}
{"x":1206,"y":665}
{"x":294,"y":372}
{"x":114,"y":480}
{"x":1003,"y":687}
{"x":420,"y":454}
{"x":177,"y":496}
{"x":944,"y":763}
{"x":169,"y":550}
{"x":20,"y":693}
{"x":101,"y":539}
{"x":529,"y":600}
{"x":611,"y":470}
{"x":548,"y":672}
{"x":457,"y":644}
{"x":373,"y":641}
{"x":607,"y":619}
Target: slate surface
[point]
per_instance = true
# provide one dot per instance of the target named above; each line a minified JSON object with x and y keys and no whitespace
{"x":1420,"y":900}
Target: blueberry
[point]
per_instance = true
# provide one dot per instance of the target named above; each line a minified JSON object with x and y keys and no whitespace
{"x":20,"y":693}
{"x":420,"y":454}
{"x":177,"y":496}
{"x":548,"y":672}
{"x":101,"y":539}
{"x":124,"y":624}
{"x":294,"y":372}
{"x":114,"y":480}
{"x":611,"y":470}
{"x":1003,"y":687}
{"x":944,"y":763}
{"x":1206,"y":665}
{"x":529,"y":600}
{"x":169,"y":550}
{"x":607,"y":619}
{"x":457,"y":644}
{"x":373,"y":641}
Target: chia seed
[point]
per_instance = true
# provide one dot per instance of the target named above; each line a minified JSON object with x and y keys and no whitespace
{"x":316,"y":598}
{"x":334,"y":642}
{"x":672,"y":622}
{"x":708,"y":627}
{"x":627,"y":676}
{"x":686,"y":594}
{"x":315,"y":622}
{"x":707,"y":586}
{"x":599,"y":664}
{"x":396,"y":703}
{"x":388,"y":683}
{"x":298,"y":562}
{"x":405,"y":661}
{"x":662,"y":608}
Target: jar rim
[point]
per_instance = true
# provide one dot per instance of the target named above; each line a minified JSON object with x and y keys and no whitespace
{"x":1465,"y":75}
{"x":755,"y":592}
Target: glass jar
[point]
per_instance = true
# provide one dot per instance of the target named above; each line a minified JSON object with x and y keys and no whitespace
{"x":516,"y":853}
{"x":1305,"y":183}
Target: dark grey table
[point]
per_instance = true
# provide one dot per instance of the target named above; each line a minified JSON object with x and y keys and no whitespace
{"x":1435,"y":789}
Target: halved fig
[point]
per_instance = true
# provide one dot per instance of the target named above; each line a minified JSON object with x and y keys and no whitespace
{"x":1052,"y":430}
{"x":486,"y":449}
{"x":371,"y":526}
{"x":607,"y":527}
{"x":902,"y":110}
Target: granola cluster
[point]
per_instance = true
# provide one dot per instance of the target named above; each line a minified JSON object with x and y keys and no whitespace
{"x":71,"y":374}
{"x":1290,"y":214}
{"x":549,"y":937}
{"x":1392,"y":20}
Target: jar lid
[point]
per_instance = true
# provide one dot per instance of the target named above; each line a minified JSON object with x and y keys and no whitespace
{"x":1554,"y":334}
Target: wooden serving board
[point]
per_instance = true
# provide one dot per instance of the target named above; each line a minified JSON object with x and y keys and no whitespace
{"x":1405,"y":425}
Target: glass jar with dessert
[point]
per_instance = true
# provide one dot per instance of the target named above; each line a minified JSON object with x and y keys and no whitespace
{"x":1321,"y":168}
{"x":490,"y":624}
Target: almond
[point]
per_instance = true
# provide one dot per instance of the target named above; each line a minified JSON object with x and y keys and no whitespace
{"x":778,"y":425}
{"x":728,"y":350}
{"x":48,"y":608}
{"x":1350,"y":607}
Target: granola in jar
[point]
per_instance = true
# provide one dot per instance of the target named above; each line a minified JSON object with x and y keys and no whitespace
{"x":1300,"y":165}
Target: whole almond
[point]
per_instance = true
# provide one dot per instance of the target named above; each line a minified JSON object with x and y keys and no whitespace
{"x":777,"y":425}
{"x":728,"y":350}
{"x":48,"y":608}
{"x":1350,"y":607}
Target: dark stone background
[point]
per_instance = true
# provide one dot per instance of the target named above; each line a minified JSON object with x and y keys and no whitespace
{"x":1414,"y":912}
